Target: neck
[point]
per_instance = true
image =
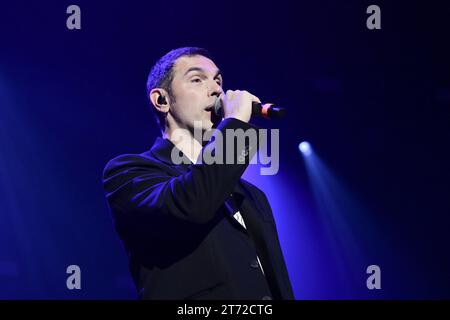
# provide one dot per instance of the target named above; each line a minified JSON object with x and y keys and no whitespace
{"x":185,"y":141}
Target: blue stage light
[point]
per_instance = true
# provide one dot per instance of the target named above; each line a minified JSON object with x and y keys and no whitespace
{"x":305,"y":148}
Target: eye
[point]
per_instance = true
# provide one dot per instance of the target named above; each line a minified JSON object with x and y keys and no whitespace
{"x":196,"y":80}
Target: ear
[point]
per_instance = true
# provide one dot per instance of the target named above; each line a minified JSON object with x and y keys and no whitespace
{"x":155,"y":94}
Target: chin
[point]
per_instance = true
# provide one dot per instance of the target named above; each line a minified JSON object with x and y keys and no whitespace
{"x":208,"y":126}
{"x":205,"y":124}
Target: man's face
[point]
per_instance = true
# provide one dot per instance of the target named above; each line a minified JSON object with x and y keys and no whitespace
{"x":196,"y":84}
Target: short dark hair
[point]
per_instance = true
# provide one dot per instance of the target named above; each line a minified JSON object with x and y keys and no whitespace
{"x":161,"y":75}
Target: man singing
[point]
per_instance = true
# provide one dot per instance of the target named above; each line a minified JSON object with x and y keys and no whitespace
{"x":195,"y":230}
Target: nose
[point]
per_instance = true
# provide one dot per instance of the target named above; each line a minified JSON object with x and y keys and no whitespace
{"x":215,"y":89}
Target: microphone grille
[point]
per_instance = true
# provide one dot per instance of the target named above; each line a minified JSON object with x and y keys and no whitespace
{"x":217,"y":106}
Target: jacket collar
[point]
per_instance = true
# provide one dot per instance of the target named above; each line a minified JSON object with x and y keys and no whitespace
{"x":162,"y":150}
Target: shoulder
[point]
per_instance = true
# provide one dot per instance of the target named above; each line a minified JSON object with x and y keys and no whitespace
{"x":254,"y":189}
{"x":129,"y":160}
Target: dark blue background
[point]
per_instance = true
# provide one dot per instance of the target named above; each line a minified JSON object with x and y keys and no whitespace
{"x":374,"y":104}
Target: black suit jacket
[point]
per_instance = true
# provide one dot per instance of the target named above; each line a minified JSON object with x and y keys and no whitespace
{"x":180,"y":236}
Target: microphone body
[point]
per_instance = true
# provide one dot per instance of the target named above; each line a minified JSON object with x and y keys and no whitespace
{"x":267,"y":110}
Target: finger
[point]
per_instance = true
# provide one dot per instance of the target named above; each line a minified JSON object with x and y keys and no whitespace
{"x":229,"y":94}
{"x":255,"y":98}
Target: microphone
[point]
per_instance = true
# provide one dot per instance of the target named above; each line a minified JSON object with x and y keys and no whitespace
{"x":267,"y":110}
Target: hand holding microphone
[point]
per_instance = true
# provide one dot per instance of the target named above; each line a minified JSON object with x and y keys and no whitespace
{"x":242,"y":105}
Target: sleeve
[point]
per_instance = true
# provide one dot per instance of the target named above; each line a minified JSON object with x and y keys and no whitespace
{"x":144,"y":193}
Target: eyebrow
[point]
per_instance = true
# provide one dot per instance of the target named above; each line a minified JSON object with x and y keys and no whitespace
{"x":218,"y":73}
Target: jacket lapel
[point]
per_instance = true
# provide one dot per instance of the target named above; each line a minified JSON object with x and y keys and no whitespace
{"x":253,"y":216}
